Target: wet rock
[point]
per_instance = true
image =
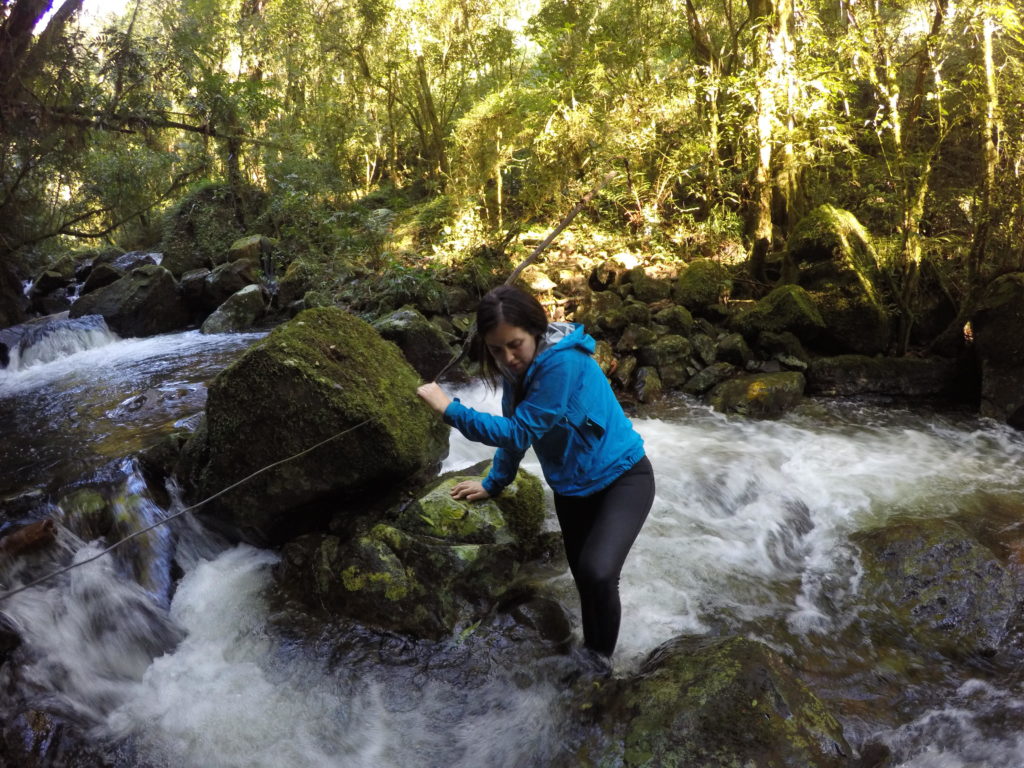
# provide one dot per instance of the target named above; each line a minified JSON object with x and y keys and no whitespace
{"x":931,"y":585}
{"x":705,"y":348}
{"x":762,"y":395}
{"x":240,"y":312}
{"x":709,"y":702}
{"x":87,"y":513}
{"x":143,"y":303}
{"x":847,"y":375}
{"x":193,"y":290}
{"x":998,"y":326}
{"x":126,"y":262}
{"x":310,"y":379}
{"x":704,"y":282}
{"x":440,"y":562}
{"x":424,"y":346}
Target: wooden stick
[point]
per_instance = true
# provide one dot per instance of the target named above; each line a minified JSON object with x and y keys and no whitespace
{"x":561,"y":225}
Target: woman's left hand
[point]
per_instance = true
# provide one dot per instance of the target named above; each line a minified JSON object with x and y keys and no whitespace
{"x":434,"y":396}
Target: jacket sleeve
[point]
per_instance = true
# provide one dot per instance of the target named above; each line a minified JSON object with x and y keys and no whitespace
{"x":503,"y":471}
{"x":545,"y":403}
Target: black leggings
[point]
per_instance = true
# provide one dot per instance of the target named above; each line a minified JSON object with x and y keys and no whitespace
{"x":598,"y":531}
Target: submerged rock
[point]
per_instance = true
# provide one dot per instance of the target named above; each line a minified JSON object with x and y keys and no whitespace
{"x":310,"y":379}
{"x":931,"y":585}
{"x":713,"y":703}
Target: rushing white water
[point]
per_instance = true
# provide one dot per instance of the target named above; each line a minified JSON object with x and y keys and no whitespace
{"x":751,"y":520}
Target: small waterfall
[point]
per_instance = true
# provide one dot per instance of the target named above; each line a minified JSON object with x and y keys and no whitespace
{"x":39,"y":343}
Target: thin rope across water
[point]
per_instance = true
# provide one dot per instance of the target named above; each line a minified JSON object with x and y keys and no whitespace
{"x":168,"y":519}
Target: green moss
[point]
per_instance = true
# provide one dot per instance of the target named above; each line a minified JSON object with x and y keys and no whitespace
{"x":315,"y":377}
{"x":704,"y":282}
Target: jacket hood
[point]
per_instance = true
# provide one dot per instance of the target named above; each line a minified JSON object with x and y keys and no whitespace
{"x":565,"y":336}
{"x":559,"y":337}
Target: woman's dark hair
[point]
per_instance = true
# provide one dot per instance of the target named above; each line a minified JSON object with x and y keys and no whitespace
{"x":505,"y":304}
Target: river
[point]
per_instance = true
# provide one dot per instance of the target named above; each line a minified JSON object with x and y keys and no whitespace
{"x":749,"y":533}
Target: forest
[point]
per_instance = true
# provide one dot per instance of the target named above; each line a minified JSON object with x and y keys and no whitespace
{"x":472,"y":123}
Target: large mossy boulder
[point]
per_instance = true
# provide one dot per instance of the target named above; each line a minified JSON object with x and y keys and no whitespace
{"x":202,"y":227}
{"x":830,"y":254}
{"x":998,"y":326}
{"x":142,"y":303}
{"x":427,"y":566}
{"x":932,"y":586}
{"x":846,"y":375}
{"x":759,"y":395}
{"x":322,"y":373}
{"x":710,"y":702}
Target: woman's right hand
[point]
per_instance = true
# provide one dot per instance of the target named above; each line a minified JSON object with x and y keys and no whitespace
{"x":470,"y":490}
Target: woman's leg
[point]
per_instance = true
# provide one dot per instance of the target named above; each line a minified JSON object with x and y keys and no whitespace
{"x":598,"y":532}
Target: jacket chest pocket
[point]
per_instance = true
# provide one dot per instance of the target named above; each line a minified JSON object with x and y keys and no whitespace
{"x":585,"y":435}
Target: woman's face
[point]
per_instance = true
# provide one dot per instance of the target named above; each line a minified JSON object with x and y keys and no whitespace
{"x":511,"y":347}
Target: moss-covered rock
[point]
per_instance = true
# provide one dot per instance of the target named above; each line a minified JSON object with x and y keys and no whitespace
{"x":670,"y":355}
{"x":733,"y":348}
{"x":439,"y":564}
{"x":240,"y":312}
{"x":709,"y":377}
{"x":427,"y":349}
{"x":831,"y":255}
{"x":646,"y":288}
{"x":228,"y":279}
{"x":635,"y":337}
{"x":142,"y":303}
{"x":676,"y":318}
{"x":760,"y":395}
{"x":318,"y":375}
{"x":714,"y":703}
{"x":786,"y":308}
{"x":704,"y":282}
{"x":998,"y":326}
{"x":846,"y":375}
{"x":99,"y":276}
{"x":202,"y":227}
{"x":931,"y":585}
{"x":299,"y":277}
{"x":647,"y":384}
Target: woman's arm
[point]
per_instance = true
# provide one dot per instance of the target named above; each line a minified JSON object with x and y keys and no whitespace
{"x":544,"y":405}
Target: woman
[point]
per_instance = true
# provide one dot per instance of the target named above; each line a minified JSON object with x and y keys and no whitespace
{"x":556,"y":398}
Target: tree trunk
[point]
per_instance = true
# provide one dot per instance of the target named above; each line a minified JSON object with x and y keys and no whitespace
{"x":990,"y":157}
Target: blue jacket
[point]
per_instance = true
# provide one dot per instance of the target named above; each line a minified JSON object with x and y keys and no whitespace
{"x":569,"y":415}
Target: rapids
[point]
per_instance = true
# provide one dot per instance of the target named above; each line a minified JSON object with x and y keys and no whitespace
{"x":750,"y":534}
